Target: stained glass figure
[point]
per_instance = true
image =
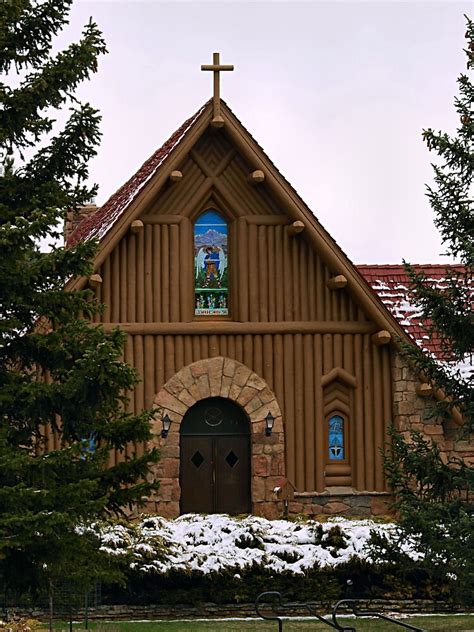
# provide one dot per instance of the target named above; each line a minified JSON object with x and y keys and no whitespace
{"x":210,"y":265}
{"x":88,"y":446}
{"x":336,"y":438}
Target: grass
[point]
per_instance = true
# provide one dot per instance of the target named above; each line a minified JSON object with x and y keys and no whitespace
{"x":461,"y":623}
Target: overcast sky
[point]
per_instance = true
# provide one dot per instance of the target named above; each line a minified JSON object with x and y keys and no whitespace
{"x":337,"y":94}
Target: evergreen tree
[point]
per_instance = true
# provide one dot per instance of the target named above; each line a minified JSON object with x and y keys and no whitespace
{"x":433,"y":497}
{"x":56,"y":369}
{"x":447,"y":310}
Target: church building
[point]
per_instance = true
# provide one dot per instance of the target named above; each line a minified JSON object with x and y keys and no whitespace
{"x":274,"y":360}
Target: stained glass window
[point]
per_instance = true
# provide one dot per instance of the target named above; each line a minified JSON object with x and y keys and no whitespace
{"x":89,"y":445}
{"x":210,"y":265}
{"x":336,"y":438}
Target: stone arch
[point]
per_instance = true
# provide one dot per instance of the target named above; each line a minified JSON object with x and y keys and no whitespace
{"x":219,"y":377}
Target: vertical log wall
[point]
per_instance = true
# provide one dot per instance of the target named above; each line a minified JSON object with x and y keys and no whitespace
{"x":275,"y":280}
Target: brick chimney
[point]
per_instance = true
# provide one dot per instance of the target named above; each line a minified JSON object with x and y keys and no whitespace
{"x":74,"y":217}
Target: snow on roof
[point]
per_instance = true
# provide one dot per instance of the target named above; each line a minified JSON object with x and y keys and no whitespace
{"x":101,"y":221}
{"x":391,"y":284}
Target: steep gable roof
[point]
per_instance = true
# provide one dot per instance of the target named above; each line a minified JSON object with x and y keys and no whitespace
{"x":112,"y":220}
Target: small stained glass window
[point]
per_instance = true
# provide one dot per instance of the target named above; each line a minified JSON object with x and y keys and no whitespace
{"x":336,"y":438}
{"x":210,"y":265}
{"x":89,"y":445}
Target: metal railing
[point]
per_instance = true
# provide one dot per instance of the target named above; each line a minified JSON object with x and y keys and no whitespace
{"x":333,"y":623}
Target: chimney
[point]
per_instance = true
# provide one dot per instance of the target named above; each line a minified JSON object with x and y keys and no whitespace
{"x":75,"y":217}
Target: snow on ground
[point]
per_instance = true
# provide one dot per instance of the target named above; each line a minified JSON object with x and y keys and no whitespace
{"x":210,"y":543}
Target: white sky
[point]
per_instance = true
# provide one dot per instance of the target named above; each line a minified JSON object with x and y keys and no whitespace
{"x":337,"y":94}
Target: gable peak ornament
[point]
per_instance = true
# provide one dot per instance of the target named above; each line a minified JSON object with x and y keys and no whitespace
{"x":217,"y":67}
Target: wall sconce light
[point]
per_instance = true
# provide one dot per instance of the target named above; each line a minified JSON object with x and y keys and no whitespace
{"x":166,"y":426}
{"x":269,"y":421}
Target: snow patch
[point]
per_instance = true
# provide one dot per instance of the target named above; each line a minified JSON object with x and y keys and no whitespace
{"x":212,"y":543}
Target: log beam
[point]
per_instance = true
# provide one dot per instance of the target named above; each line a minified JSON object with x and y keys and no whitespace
{"x":256,"y":176}
{"x":296,"y":228}
{"x":176,"y":175}
{"x":217,"y":122}
{"x":240,"y":328}
{"x":424,"y":389}
{"x":136,"y":226}
{"x":94,"y":281}
{"x":337,"y":282}
{"x":381,"y":338}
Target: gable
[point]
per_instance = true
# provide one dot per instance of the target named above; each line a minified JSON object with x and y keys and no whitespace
{"x":203,"y":152}
{"x":276,"y":275}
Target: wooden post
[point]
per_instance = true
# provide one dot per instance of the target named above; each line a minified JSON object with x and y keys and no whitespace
{"x":382,"y":337}
{"x":94,"y":281}
{"x":176,"y":175}
{"x":136,"y":226}
{"x":295,"y":228}
{"x":337,"y":282}
{"x":257,"y":176}
{"x":424,"y":390}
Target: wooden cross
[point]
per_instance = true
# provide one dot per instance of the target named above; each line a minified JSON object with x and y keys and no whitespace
{"x":216,"y":67}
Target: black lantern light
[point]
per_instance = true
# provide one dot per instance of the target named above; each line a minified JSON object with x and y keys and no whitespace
{"x":166,"y":426}
{"x":269,"y":421}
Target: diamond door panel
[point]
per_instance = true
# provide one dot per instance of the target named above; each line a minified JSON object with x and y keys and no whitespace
{"x":196,"y":475}
{"x":232,"y":474}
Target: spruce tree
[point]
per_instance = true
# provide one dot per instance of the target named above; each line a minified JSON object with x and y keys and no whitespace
{"x":433,"y":497}
{"x":57,"y":370}
{"x":447,"y":309}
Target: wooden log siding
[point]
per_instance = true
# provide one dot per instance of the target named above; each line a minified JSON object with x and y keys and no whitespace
{"x":279,"y":278}
{"x":291,"y":364}
{"x":285,"y":323}
{"x":157,"y":262}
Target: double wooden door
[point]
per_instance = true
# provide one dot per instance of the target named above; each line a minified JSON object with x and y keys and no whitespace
{"x":215,"y":468}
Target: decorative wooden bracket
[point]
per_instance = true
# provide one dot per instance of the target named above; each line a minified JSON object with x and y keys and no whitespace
{"x":94,"y":281}
{"x":382,"y":337}
{"x":176,"y":175}
{"x":256,"y":176}
{"x":337,"y":282}
{"x":136,"y":226}
{"x":295,"y":228}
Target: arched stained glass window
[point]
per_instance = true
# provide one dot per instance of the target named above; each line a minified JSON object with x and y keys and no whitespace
{"x":336,"y":438}
{"x":210,"y":265}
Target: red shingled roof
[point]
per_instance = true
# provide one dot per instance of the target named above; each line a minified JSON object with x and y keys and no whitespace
{"x":99,"y":223}
{"x":391,"y":284}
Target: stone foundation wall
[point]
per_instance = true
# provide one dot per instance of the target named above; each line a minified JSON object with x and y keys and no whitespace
{"x":410,"y":411}
{"x":348,"y":503}
{"x":214,"y":611}
{"x":220,"y":377}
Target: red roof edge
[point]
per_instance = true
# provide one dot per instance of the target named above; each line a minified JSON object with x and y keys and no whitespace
{"x":98,"y":223}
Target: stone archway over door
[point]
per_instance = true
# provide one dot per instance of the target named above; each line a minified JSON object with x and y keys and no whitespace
{"x":215,"y":458}
{"x":226,"y":378}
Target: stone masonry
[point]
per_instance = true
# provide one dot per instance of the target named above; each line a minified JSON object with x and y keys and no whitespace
{"x":224,"y":377}
{"x":220,"y":377}
{"x":411,"y":411}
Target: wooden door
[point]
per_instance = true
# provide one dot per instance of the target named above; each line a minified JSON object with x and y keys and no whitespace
{"x":215,"y":458}
{"x":232,"y":474}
